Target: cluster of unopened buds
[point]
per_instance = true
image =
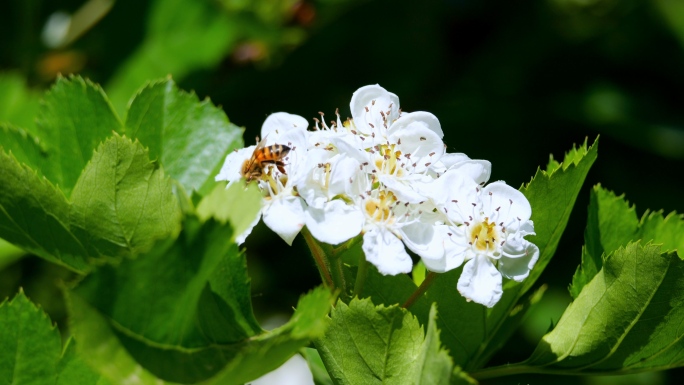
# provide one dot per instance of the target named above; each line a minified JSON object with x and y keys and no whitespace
{"x":385,"y":174}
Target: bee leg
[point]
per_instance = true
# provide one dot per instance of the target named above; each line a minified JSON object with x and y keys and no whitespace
{"x":281,"y":167}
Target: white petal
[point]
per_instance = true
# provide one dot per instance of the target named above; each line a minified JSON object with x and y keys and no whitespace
{"x":231,"y":170}
{"x":513,"y":206}
{"x":335,"y":223}
{"x":478,"y":170}
{"x":455,"y":191}
{"x":416,"y":119}
{"x":480,"y":281}
{"x":517,"y":265}
{"x":343,"y":170}
{"x":403,"y":191}
{"x":424,"y":240}
{"x":285,"y":216}
{"x":376,"y":99}
{"x":455,"y":248}
{"x":384,"y":250}
{"x":451,"y":159}
{"x":280,"y":122}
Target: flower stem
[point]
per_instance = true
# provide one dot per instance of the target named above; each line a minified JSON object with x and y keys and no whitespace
{"x":420,"y":290}
{"x":361,"y":275}
{"x":318,"y":256}
{"x":337,"y":275}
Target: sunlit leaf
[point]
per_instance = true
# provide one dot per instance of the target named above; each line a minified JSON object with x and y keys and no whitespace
{"x":74,"y":118}
{"x":190,"y":138}
{"x":368,"y":344}
{"x":626,"y":318}
{"x":120,"y":205}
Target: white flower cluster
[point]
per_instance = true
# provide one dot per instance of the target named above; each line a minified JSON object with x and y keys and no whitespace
{"x":385,"y":174}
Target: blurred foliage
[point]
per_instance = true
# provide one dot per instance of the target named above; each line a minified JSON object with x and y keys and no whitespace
{"x":509,"y":81}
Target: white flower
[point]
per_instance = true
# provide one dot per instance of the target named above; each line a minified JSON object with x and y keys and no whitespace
{"x":282,"y":207}
{"x":486,"y":229}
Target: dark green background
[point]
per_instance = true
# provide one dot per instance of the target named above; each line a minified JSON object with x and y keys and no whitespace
{"x":511,"y":81}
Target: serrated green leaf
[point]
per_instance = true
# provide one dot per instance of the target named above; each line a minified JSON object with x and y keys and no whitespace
{"x":34,"y":215}
{"x":552,"y":196}
{"x":122,"y":202}
{"x":611,"y":222}
{"x":189,"y":137}
{"x":18,"y":104}
{"x":368,"y":344}
{"x":23,"y":146}
{"x":171,"y":45}
{"x":626,"y":319}
{"x":32,"y":350}
{"x":120,"y":205}
{"x":74,"y":118}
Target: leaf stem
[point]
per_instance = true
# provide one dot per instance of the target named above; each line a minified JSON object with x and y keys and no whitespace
{"x":319,"y":257}
{"x":361,"y":275}
{"x":420,"y":290}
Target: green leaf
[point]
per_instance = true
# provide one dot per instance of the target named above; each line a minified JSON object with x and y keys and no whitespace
{"x":99,"y":346}
{"x":171,"y":45}
{"x":34,"y":215}
{"x":249,"y":358}
{"x":32,"y":349}
{"x":120,"y":205}
{"x":626,"y":319}
{"x":611,"y":223}
{"x":189,"y":137}
{"x":18,"y":104}
{"x":269,"y":350}
{"x":552,"y":196}
{"x":23,"y":146}
{"x":367,"y":344}
{"x":74,"y":118}
{"x":123,"y":202}
{"x":235,"y":204}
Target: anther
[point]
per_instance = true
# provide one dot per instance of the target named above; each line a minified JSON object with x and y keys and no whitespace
{"x":427,"y":164}
{"x":371,"y":124}
{"x":366,"y":108}
{"x":422,"y":139}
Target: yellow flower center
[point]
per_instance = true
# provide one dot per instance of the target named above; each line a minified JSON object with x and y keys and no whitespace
{"x":483,"y":235}
{"x":380,"y":208}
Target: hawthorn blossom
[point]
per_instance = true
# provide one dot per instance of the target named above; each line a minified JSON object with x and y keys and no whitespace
{"x":486,"y":230}
{"x":282,"y":208}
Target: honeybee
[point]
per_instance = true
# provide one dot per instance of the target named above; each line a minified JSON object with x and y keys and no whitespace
{"x":264,"y":155}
